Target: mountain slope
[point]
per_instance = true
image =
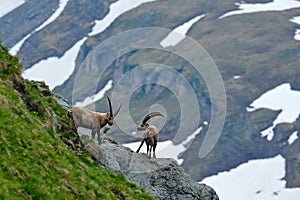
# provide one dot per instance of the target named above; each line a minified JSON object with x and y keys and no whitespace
{"x":67,"y":32}
{"x":264,"y":55}
{"x":26,"y":17}
{"x":256,"y":47}
{"x":254,"y":53}
{"x":35,"y":163}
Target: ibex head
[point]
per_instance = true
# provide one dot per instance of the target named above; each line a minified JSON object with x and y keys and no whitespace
{"x":144,"y":123}
{"x":110,"y":115}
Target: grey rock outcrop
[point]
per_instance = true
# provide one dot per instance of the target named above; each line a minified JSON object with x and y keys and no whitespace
{"x":162,"y":177}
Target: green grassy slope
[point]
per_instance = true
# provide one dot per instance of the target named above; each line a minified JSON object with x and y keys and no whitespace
{"x":35,"y":163}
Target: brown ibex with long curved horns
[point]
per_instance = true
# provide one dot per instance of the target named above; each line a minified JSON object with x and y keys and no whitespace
{"x":83,"y":117}
{"x":150,"y":133}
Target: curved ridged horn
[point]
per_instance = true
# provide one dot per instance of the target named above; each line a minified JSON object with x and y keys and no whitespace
{"x":118,"y":109}
{"x":110,"y":107}
{"x":150,"y":115}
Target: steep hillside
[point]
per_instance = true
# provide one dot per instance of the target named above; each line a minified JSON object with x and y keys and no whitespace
{"x":35,"y":163}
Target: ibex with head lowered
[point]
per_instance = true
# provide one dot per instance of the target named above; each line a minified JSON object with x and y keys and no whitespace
{"x":83,"y":117}
{"x":150,"y":133}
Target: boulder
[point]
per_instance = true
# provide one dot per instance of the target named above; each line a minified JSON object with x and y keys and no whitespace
{"x":162,"y":177}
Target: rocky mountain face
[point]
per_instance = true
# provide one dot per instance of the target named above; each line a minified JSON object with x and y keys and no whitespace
{"x":258,"y":48}
{"x":161,"y":177}
{"x":77,"y":16}
{"x":27,"y":17}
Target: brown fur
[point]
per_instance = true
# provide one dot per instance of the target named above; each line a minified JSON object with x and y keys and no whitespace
{"x":150,"y":136}
{"x":86,"y":118}
{"x":150,"y":133}
{"x":83,"y":117}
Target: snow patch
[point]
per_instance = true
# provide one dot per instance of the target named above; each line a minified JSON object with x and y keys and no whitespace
{"x":179,"y":33}
{"x":115,"y":10}
{"x":282,"y":98}
{"x":95,"y":97}
{"x":61,"y":7}
{"x":293,"y":137}
{"x":15,"y":49}
{"x":54,"y":71}
{"x":167,"y":149}
{"x":133,"y":133}
{"x":46,"y":70}
{"x":62,"y":4}
{"x":254,"y":180}
{"x":275,"y":5}
{"x":8,"y":6}
{"x":297,"y":32}
{"x":297,"y":35}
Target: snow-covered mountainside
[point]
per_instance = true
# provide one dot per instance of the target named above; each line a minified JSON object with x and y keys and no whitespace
{"x":256,"y":179}
{"x":254,"y":45}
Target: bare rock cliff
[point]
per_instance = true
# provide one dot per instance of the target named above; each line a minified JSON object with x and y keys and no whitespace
{"x":162,"y":177}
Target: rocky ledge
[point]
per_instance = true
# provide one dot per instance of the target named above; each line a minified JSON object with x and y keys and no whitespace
{"x":162,"y":177}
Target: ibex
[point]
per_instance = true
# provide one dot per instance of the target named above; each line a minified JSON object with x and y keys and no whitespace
{"x":150,"y":133}
{"x":83,"y":117}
